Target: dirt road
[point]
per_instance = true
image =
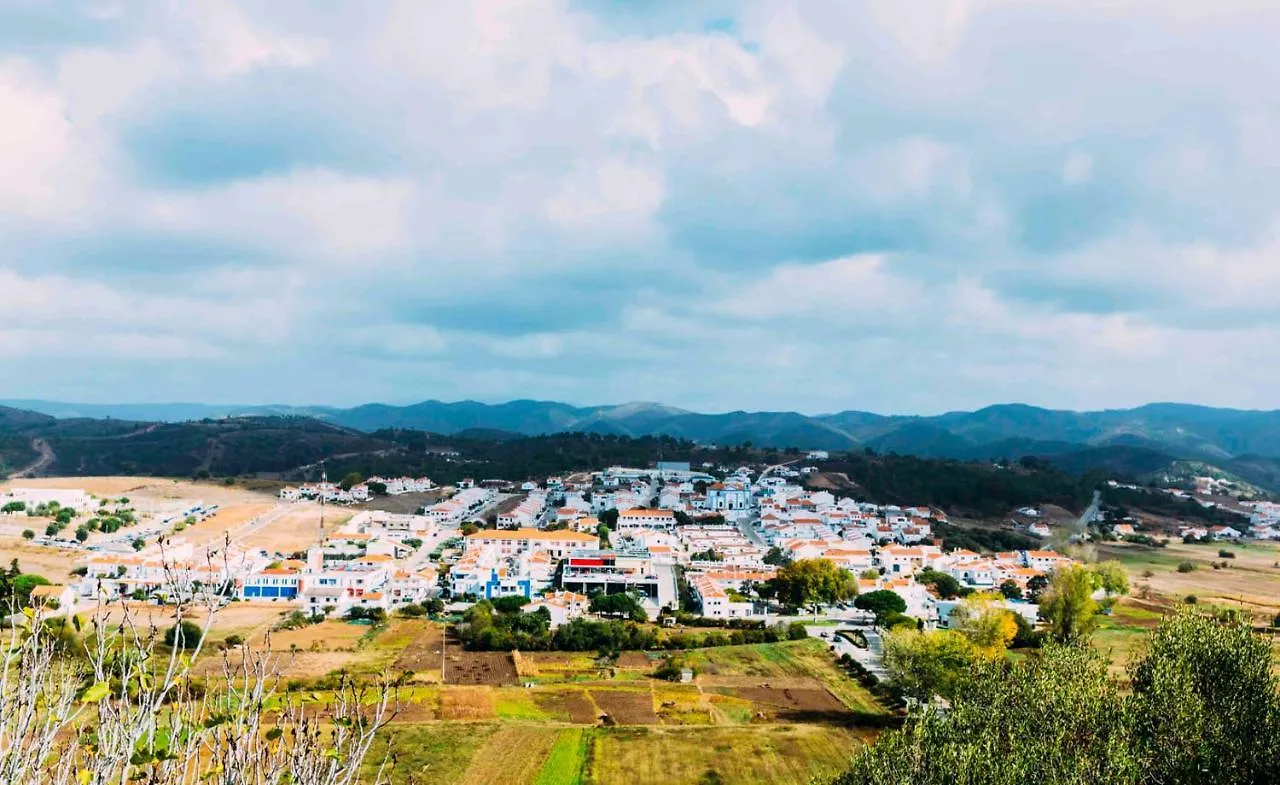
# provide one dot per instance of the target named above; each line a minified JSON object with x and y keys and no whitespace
{"x":45,"y":460}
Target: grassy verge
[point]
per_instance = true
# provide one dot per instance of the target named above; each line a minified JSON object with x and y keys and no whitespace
{"x":566,"y":763}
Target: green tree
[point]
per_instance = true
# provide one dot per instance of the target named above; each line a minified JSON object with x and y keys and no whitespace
{"x":924,"y":664}
{"x":602,"y":532}
{"x":1111,"y":577}
{"x":985,"y":621}
{"x":883,"y":603}
{"x":511,"y":604}
{"x":945,"y":585}
{"x":27,"y":534}
{"x":1010,"y":590}
{"x":22,"y":586}
{"x":625,"y":605}
{"x":813,"y":582}
{"x":1205,"y":703}
{"x":610,"y":518}
{"x":350,"y":480}
{"x":1068,"y":604}
{"x":777,"y":557}
{"x":1055,"y":719}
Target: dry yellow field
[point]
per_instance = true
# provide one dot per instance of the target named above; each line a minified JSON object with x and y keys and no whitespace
{"x":228,"y":518}
{"x":1250,"y":579}
{"x":53,"y":563}
{"x":297,"y":529}
{"x":98,"y":486}
{"x":326,"y":636}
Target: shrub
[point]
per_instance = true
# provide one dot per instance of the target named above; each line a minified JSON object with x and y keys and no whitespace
{"x":27,"y":534}
{"x":1186,"y":566}
{"x":234,"y":640}
{"x":185,"y":635}
{"x":1226,"y":554}
{"x":796,"y":631}
{"x":1191,"y":599}
{"x":671,"y":668}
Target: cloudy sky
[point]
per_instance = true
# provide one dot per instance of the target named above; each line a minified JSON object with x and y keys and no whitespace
{"x":810,"y":205}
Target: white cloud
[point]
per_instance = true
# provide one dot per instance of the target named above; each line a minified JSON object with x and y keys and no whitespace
{"x":324,"y":215}
{"x":42,"y":169}
{"x":813,"y":205}
{"x":229,"y":44}
{"x":1077,"y":169}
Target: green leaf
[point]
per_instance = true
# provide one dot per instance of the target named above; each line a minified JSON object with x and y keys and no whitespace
{"x":96,"y":692}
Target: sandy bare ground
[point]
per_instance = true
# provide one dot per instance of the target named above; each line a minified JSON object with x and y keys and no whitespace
{"x":53,"y":563}
{"x":298,"y":528}
{"x":228,"y":519}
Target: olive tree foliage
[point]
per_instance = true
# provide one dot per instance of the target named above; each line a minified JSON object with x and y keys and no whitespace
{"x":1203,"y":708}
{"x":1205,"y":703}
{"x":1054,"y":719}
{"x":100,"y":699}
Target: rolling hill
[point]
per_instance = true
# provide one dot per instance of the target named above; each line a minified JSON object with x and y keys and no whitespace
{"x":1244,"y":443}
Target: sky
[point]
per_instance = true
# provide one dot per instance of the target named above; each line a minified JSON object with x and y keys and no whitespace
{"x":811,"y":205}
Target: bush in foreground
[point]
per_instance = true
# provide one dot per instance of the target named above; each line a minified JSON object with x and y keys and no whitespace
{"x":1203,"y":709}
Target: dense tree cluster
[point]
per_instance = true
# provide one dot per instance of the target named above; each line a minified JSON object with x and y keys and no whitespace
{"x":1203,"y":708}
{"x":976,"y":488}
{"x":812,"y":582}
{"x":487,"y":627}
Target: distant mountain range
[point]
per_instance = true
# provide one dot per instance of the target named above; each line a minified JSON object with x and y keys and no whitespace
{"x":1005,"y":430}
{"x":1152,"y":439}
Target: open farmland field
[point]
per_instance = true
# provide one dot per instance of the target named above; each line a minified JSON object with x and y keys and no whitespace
{"x":479,"y":753}
{"x":141,"y":490}
{"x":297,"y":529}
{"x":317,"y":650}
{"x":1123,"y":635}
{"x":764,"y":665}
{"x":435,"y":752}
{"x":731,"y":756}
{"x":479,"y":667}
{"x":422,"y":654}
{"x":513,"y":755}
{"x":1251,"y":579}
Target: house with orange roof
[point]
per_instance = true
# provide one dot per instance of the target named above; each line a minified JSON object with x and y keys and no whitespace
{"x":715,"y":601}
{"x":54,"y":600}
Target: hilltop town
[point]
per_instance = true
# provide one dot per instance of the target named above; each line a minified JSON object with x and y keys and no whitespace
{"x":679,"y":539}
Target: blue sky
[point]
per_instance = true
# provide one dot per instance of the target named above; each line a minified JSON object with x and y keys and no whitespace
{"x":784,"y":204}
